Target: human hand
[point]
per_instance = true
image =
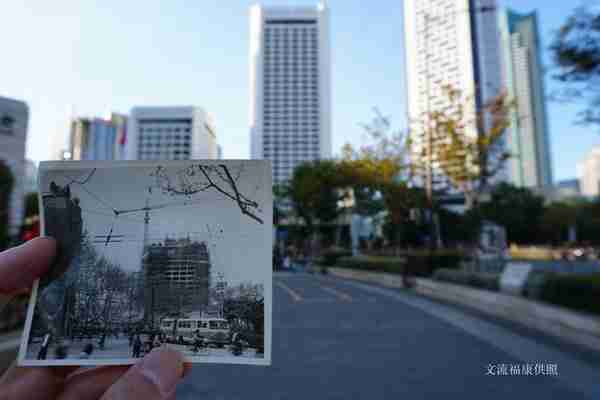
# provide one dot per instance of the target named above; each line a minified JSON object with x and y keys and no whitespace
{"x":154,"y":377}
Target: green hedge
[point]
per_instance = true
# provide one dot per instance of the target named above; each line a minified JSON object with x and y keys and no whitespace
{"x":576,"y":292}
{"x":330,"y":256}
{"x":424,"y":263}
{"x":420,"y":263}
{"x":480,"y":280}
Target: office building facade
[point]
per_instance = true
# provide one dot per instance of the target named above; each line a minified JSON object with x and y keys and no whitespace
{"x":14,"y":120}
{"x":528,"y":140}
{"x":448,"y":43}
{"x":588,"y":171}
{"x":93,"y":139}
{"x":290,"y":113}
{"x":170,"y":133}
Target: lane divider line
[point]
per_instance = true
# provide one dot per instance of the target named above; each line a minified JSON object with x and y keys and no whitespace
{"x":295,"y":296}
{"x":341,"y":295}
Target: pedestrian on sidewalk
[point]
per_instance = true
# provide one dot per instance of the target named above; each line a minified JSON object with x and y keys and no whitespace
{"x":43,"y":353}
{"x":137,"y":347}
{"x":86,"y":352}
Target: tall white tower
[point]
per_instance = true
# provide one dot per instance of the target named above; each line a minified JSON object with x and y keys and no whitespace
{"x":449,"y":42}
{"x":290,"y":84}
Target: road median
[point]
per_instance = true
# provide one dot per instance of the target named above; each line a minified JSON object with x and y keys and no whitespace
{"x":577,"y":328}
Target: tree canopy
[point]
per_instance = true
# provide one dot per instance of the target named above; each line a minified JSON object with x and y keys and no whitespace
{"x":467,"y":142}
{"x":575,"y":51}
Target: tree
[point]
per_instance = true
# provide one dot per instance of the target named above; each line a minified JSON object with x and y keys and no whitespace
{"x":468,"y":145}
{"x":576,"y":55}
{"x":380,"y":162}
{"x":378,"y":172}
{"x":314,"y":192}
{"x":400,"y":199}
{"x":588,"y":221}
{"x":519,"y":210}
{"x":556,"y":220}
{"x":6,"y":187}
{"x":31,"y":205}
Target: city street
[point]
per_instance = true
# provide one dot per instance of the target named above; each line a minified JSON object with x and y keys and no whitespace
{"x":337,"y":339}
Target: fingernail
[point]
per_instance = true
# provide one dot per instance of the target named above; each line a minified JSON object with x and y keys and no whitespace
{"x":164,"y":368}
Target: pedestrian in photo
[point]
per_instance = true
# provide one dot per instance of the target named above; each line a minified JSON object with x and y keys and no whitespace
{"x":102,"y":341}
{"x":86,"y":352}
{"x":148,"y":346}
{"x":137,"y":347}
{"x":198,"y":341}
{"x":61,"y":351}
{"x":43,"y":353}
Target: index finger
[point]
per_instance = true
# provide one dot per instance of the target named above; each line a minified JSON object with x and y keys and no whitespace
{"x":22,"y":265}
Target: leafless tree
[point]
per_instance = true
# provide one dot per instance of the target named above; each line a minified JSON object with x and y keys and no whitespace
{"x":198,"y":178}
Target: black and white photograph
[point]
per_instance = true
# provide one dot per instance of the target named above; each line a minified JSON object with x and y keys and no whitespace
{"x":173,"y":253}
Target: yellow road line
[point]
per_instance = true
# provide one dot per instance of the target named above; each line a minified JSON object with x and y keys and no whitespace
{"x":341,"y":295}
{"x":290,"y":291}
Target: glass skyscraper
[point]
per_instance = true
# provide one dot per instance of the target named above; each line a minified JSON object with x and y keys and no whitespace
{"x":523,"y":76}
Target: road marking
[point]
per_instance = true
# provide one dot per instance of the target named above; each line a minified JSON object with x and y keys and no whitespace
{"x":290,"y":291}
{"x":341,"y":295}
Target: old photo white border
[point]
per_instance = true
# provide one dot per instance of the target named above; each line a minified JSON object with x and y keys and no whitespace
{"x":22,"y":360}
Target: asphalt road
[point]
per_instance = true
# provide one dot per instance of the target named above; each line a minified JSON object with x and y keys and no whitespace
{"x":337,"y":339}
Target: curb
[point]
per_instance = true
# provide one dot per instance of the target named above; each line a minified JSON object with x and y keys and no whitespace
{"x":573,"y":327}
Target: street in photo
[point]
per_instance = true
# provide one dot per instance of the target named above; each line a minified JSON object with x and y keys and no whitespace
{"x":173,"y":253}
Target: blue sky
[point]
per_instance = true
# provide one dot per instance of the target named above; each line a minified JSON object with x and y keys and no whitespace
{"x":90,"y":57}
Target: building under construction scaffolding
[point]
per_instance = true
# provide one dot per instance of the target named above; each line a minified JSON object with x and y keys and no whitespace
{"x":176,"y":276}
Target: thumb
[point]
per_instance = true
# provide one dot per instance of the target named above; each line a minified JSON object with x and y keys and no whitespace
{"x":155,"y":377}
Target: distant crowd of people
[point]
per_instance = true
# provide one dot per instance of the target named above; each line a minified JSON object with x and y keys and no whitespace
{"x":139,"y":346}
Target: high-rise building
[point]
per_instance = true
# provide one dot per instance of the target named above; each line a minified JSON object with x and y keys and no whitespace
{"x":176,"y":277}
{"x":588,"y":171}
{"x":528,"y":140}
{"x":170,"y":133}
{"x":290,"y":112}
{"x":14,"y":120}
{"x":93,"y":139}
{"x":30,"y":178}
{"x":448,"y":43}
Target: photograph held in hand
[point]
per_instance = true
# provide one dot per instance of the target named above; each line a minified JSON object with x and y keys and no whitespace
{"x":174,"y":253}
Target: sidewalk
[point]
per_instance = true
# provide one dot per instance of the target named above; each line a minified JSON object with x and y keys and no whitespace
{"x":9,"y":346}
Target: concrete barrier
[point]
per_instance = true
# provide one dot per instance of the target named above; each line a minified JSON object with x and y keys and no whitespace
{"x":555,"y":321}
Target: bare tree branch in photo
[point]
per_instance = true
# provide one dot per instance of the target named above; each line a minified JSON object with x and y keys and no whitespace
{"x":200,"y":178}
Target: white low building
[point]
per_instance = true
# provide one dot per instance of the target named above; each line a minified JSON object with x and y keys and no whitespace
{"x":171,"y":133}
